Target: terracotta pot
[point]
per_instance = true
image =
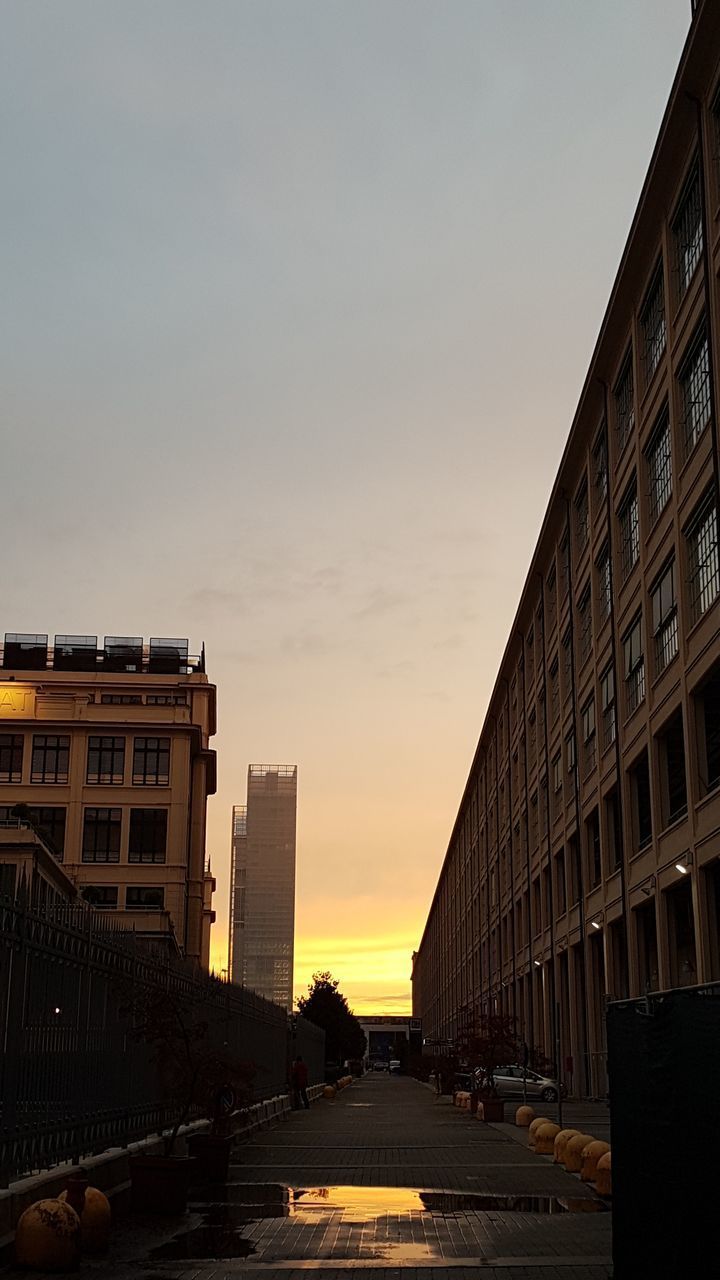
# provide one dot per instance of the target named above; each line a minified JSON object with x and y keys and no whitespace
{"x":212,"y":1152}
{"x":493,"y":1110}
{"x":160,"y":1183}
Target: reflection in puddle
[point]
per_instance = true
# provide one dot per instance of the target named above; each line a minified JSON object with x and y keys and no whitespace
{"x":368,"y":1202}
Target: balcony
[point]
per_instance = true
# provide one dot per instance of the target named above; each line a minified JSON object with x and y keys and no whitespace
{"x":120,"y":654}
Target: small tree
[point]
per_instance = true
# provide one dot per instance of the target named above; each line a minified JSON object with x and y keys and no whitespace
{"x":492,"y":1043}
{"x":327,"y":1007}
{"x":192,"y":1070}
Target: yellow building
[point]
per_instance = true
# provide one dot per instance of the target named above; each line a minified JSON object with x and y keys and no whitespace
{"x":108,"y":747}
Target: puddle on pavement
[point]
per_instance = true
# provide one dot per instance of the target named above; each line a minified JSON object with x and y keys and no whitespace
{"x":370,"y":1202}
{"x":220,"y":1234}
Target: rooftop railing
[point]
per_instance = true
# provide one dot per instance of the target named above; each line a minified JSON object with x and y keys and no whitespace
{"x":121,"y":654}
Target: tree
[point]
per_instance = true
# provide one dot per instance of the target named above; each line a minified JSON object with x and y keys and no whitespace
{"x":328,"y":1009}
{"x":194,"y":1064}
{"x":491,"y":1043}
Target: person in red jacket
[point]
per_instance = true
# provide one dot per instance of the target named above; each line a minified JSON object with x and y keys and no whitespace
{"x":299,"y":1082}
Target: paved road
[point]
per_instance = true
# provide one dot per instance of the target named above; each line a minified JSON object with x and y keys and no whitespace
{"x":386,"y":1180}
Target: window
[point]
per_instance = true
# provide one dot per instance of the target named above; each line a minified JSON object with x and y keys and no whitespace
{"x":582,"y":517}
{"x":570,"y":755}
{"x":101,"y":835}
{"x":554,"y":690}
{"x":707,"y":710}
{"x":634,"y":665}
{"x":564,"y":566}
{"x":694,"y":378}
{"x":614,"y":829}
{"x":664,"y":616}
{"x":629,"y":531}
{"x":166,"y":700}
{"x":560,"y":896}
{"x":640,"y":794}
{"x":151,"y":762}
{"x":551,"y":598}
{"x":585,"y":612}
{"x":658,"y":461}
{"x":50,"y":757}
{"x":530,"y":654}
{"x":588,"y":732}
{"x":557,"y":773}
{"x":592,"y":841}
{"x":600,"y":469}
{"x":106,"y":760}
{"x":102,"y":897}
{"x":49,"y":820}
{"x":687,"y":231}
{"x":120,"y":699}
{"x":148,"y":835}
{"x":625,"y":404}
{"x":11,"y":755}
{"x":652,"y":323}
{"x":607,"y":706}
{"x":144,"y":898}
{"x":673,"y":783}
{"x":604,"y":584}
{"x":575,"y":868}
{"x":567,"y":663}
{"x":702,"y":542}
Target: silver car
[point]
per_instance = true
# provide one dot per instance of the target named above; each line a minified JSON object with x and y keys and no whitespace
{"x":509,"y":1082}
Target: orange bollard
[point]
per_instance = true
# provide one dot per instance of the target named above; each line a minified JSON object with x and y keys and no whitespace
{"x":534,"y":1126}
{"x":590,"y":1157}
{"x":603,"y":1179}
{"x":545,"y":1139}
{"x":561,"y":1141}
{"x":523,"y":1117}
{"x":574,"y":1148}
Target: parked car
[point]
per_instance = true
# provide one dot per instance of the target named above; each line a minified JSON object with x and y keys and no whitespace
{"x":509,"y":1082}
{"x":379,"y":1066}
{"x":394,"y":1067}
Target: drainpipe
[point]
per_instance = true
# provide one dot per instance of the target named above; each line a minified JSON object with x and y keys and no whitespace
{"x":531,"y":965}
{"x":578,"y":820}
{"x":554,"y":1020}
{"x":617,"y":684}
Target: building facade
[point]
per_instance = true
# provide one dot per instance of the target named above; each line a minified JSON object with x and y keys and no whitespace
{"x":262,"y":890}
{"x":585,"y":857}
{"x":106,"y":750}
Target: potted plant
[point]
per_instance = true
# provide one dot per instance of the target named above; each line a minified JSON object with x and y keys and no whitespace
{"x":196,"y":1078}
{"x":492,"y":1044}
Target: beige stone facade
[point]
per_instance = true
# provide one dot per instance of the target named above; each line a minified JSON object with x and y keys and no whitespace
{"x":585,"y":858}
{"x":108,"y":746}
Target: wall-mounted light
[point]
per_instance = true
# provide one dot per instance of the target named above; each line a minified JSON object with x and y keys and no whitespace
{"x":684,"y":866}
{"x":595,"y":924}
{"x":648,"y":888}
{"x":537,"y":963}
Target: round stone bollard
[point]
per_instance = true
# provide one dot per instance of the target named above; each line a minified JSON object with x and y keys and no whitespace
{"x":95,"y":1221}
{"x":545,"y":1139}
{"x":534,"y":1126}
{"x":574,"y":1148}
{"x":561,"y":1141}
{"x":329,"y":1092}
{"x":603,"y":1177}
{"x":47,"y":1237}
{"x":524,"y":1117}
{"x":590,"y":1156}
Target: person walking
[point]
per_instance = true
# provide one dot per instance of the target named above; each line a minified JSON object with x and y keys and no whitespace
{"x":299,"y":1083}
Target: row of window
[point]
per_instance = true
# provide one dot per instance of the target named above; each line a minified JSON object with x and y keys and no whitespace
{"x":141,"y":699}
{"x":102,"y":831}
{"x":138,"y":897}
{"x":105,"y":759}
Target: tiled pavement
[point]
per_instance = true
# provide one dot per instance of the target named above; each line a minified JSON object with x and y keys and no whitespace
{"x":386,"y":1133}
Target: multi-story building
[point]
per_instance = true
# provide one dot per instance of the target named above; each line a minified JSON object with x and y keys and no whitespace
{"x":262,"y":890}
{"x":585,"y":857}
{"x":106,"y":750}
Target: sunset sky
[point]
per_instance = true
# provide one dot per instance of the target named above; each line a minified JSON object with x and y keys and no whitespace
{"x":299,"y":296}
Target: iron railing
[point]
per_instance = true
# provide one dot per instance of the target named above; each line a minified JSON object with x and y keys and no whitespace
{"x":73,"y":1077}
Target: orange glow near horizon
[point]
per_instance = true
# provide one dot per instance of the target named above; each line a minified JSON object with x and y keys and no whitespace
{"x":373,"y":972}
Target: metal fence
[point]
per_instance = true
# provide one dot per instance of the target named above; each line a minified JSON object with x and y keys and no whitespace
{"x":74,"y":1078}
{"x":664,"y":1065}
